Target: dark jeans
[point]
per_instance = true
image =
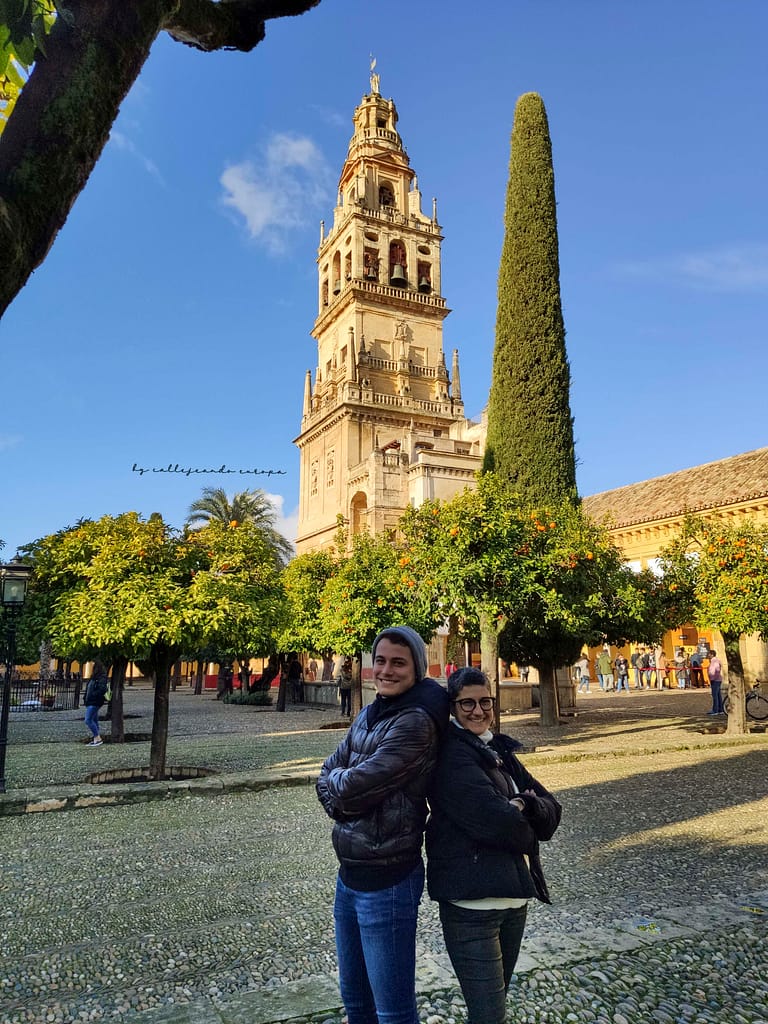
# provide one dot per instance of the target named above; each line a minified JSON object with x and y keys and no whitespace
{"x":483,"y":946}
{"x":376,"y":947}
{"x":346,"y":700}
{"x":716,"y":686}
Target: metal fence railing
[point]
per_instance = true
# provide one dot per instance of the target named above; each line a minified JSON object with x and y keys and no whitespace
{"x":45,"y":695}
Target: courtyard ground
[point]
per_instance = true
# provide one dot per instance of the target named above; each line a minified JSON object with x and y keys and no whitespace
{"x":216,"y":909}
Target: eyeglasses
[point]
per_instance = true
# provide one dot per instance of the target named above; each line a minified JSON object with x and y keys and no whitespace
{"x":468,"y":704}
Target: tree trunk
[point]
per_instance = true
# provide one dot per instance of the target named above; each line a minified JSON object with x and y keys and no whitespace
{"x":733,"y":685}
{"x":282,"y":690}
{"x":162,"y":658}
{"x":176,"y":676}
{"x":489,"y":661}
{"x":117,"y":717}
{"x":46,"y":656}
{"x":550,"y":701}
{"x":244,"y":672}
{"x":356,"y":697}
{"x":199,"y":673}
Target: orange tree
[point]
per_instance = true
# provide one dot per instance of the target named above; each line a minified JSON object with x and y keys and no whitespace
{"x":537,"y":582}
{"x":123,"y":586}
{"x":304,"y":579}
{"x":717,"y":576}
{"x":373,"y":587}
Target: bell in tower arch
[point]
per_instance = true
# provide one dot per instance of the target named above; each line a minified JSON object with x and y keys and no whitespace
{"x":398,"y":278}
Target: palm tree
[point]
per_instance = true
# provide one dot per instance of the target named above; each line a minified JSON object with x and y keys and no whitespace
{"x":244,"y":507}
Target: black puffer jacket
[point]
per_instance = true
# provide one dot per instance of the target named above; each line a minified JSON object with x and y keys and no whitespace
{"x":374,"y":785}
{"x":477,"y":842}
{"x":95,"y":691}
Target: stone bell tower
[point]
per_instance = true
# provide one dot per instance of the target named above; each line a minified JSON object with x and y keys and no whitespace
{"x":383,"y":421}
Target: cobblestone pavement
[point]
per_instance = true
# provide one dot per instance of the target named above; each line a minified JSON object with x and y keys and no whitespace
{"x":218,"y":910}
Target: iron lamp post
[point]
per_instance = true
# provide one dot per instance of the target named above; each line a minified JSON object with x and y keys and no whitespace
{"x":14,"y":579}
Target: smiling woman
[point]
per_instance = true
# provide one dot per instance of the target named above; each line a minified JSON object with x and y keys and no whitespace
{"x":488,"y":815}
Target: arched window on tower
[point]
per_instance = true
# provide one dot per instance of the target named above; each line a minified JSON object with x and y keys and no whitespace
{"x":336,"y":273}
{"x":425,"y":277}
{"x":371,"y":264}
{"x":398,"y":269}
{"x":386,"y":195}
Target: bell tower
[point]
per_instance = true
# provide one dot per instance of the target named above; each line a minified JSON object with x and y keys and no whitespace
{"x":382,"y":425}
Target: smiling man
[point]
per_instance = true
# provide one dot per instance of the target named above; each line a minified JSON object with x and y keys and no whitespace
{"x":374,"y":787}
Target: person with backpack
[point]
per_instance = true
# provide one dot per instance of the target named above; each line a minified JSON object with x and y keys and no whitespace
{"x":95,"y":697}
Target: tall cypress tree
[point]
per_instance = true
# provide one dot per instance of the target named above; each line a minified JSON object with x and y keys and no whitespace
{"x":530,"y":428}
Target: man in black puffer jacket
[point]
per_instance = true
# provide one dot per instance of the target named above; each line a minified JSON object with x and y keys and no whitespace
{"x":374,"y":787}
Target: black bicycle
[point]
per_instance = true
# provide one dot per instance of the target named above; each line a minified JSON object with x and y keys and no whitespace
{"x":756,"y":704}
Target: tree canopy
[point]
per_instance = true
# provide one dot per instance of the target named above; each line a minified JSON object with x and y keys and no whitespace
{"x":536,"y":582}
{"x":716,"y":574}
{"x":139,"y":589}
{"x":254,"y":507}
{"x":530,"y":428}
{"x":82,"y":72}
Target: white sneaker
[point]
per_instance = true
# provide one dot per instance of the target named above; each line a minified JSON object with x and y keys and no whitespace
{"x":95,"y":742}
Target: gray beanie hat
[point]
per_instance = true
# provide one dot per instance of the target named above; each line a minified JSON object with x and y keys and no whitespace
{"x":408,"y":638}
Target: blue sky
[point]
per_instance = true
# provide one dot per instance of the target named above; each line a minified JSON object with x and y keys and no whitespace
{"x":170,"y":323}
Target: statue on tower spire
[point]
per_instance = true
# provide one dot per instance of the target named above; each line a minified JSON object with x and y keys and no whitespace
{"x":375,"y":80}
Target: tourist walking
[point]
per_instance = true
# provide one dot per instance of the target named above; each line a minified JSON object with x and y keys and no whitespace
{"x":344,"y":680}
{"x":697,"y":675}
{"x":296,"y":680}
{"x":634,"y":660}
{"x":715,"y":673}
{"x":487,"y":817}
{"x":621,"y":668}
{"x":662,"y":669}
{"x":681,"y":669}
{"x":581,"y":673}
{"x":605,"y":670}
{"x":649,"y":667}
{"x":95,"y":698}
{"x":374,"y":787}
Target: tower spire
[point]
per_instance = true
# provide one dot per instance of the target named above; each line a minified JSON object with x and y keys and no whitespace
{"x":455,"y":377}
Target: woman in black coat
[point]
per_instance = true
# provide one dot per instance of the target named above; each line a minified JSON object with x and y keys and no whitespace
{"x":487,"y":817}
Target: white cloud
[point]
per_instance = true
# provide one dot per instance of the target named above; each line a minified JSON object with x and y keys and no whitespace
{"x":8,"y":441}
{"x":122,"y":142}
{"x":729,"y":268}
{"x":280,"y":192}
{"x":285,"y":524}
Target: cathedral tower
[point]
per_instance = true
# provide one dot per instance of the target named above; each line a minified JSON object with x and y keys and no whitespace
{"x":382,"y":426}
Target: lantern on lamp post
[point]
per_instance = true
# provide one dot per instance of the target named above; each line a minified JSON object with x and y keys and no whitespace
{"x":14,"y":579}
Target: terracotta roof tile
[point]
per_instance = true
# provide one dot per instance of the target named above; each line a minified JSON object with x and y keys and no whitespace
{"x":713,"y":485}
